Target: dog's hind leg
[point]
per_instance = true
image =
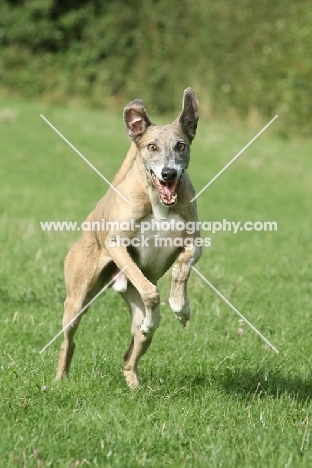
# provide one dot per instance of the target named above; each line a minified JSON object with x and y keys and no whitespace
{"x":72,"y":307}
{"x":84,"y":279}
{"x":139,"y":343}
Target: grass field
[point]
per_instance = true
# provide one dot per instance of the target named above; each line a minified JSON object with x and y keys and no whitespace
{"x":210,"y":397}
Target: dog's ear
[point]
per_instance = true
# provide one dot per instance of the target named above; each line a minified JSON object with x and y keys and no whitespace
{"x":190,"y":113}
{"x":136,"y":119}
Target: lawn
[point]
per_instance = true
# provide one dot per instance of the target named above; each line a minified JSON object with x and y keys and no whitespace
{"x":209,"y":396}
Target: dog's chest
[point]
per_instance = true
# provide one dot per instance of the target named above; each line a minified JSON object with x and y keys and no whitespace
{"x":159,"y":244}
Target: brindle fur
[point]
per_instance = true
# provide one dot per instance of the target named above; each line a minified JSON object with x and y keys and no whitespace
{"x":92,"y":261}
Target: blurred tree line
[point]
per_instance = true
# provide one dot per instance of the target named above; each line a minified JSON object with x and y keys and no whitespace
{"x":240,"y":56}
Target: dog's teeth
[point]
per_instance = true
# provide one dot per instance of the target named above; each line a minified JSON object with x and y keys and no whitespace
{"x":166,"y":190}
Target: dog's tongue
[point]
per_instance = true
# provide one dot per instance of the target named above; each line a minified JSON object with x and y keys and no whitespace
{"x":168,"y":189}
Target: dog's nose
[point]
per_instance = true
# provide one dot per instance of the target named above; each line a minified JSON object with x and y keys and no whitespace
{"x":169,"y":174}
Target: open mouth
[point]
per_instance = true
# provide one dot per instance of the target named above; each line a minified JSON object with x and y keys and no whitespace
{"x":167,"y":190}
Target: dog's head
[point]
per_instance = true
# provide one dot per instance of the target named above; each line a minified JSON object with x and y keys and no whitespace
{"x":164,"y":149}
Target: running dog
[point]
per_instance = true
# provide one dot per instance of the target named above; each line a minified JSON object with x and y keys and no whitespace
{"x":151,"y":185}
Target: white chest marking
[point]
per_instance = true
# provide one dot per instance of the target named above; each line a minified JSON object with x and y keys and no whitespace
{"x":160,"y":211}
{"x":157,"y":243}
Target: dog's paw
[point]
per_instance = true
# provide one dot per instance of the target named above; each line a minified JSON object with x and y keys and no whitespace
{"x":132,"y":378}
{"x":181,"y":312}
{"x":148,"y":326}
{"x":121,"y":283}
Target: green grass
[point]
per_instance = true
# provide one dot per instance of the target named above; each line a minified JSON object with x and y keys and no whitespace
{"x":209,"y":396}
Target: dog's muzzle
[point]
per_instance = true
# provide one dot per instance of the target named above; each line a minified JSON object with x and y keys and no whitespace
{"x":167,"y":188}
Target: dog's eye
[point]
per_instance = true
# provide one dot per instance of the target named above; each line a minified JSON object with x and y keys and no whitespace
{"x":180,"y":146}
{"x":152,"y":147}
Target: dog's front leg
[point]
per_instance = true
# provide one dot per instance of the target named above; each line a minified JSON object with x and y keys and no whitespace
{"x":147,"y":290}
{"x":180,"y":274}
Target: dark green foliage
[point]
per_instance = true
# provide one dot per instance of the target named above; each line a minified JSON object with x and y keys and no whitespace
{"x":242,"y":57}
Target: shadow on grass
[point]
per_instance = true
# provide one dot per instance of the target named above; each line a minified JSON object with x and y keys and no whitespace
{"x":251,"y":383}
{"x":246,"y":383}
